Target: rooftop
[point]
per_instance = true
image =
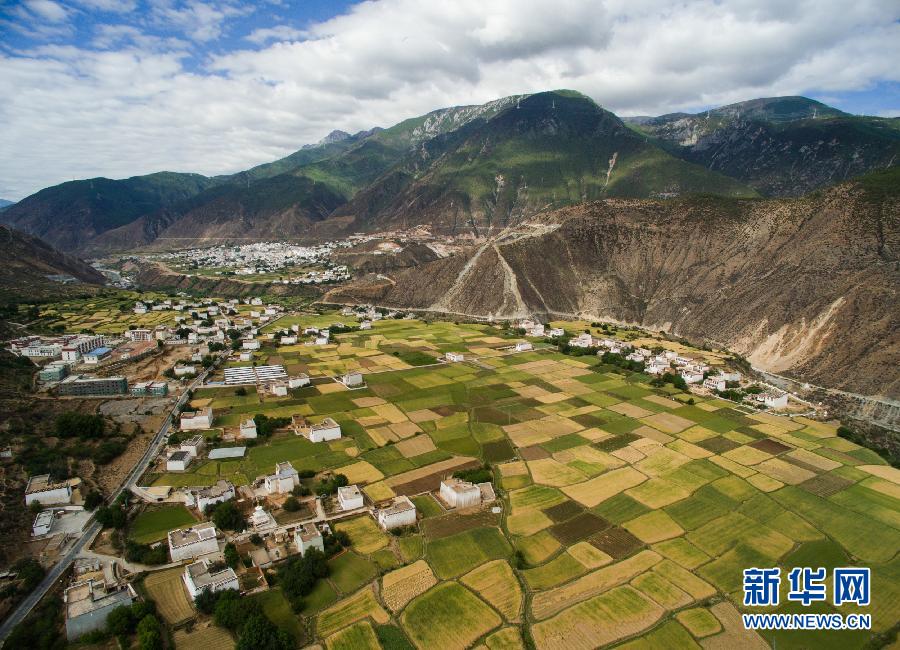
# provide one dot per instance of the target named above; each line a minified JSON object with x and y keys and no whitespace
{"x":188,"y":536}
{"x":96,"y":351}
{"x":308,"y":532}
{"x":349,"y":492}
{"x":400,"y":504}
{"x":90,"y":595}
{"x":42,"y":483}
{"x":179,"y":455}
{"x":202,"y":577}
{"x":459,"y":486}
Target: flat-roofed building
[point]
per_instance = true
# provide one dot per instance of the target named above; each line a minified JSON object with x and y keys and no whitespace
{"x":323,"y":431}
{"x":455,"y":357}
{"x":193,"y":445}
{"x":401,"y":512}
{"x":195,"y":420}
{"x":283,"y":480}
{"x":350,"y":497}
{"x":92,"y":386}
{"x":41,"y":489}
{"x":88,"y":604}
{"x":248,"y":428}
{"x":202,"y":498}
{"x":178,"y":461}
{"x":299,"y":381}
{"x":352,"y":379}
{"x":189,"y":543}
{"x":307,"y":537}
{"x":42,"y":523}
{"x":457,"y":493}
{"x":96,"y":355}
{"x":198,"y":578}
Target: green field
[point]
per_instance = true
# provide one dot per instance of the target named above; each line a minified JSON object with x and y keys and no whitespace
{"x":634,"y":513}
{"x":154,"y":523}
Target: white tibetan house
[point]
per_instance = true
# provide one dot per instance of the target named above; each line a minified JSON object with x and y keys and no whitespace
{"x":457,"y":493}
{"x":350,"y":498}
{"x":283,"y":480}
{"x":307,"y":537}
{"x":190,"y":543}
{"x":198,"y":578}
{"x":401,"y":512}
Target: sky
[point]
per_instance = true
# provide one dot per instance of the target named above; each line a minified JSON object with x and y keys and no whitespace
{"x":118,"y":88}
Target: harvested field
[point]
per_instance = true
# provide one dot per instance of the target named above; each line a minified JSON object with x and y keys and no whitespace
{"x":770,"y":446}
{"x":548,"y":603}
{"x":349,"y":611}
{"x":415,"y":446}
{"x":631,"y":410}
{"x":616,"y":542}
{"x":451,"y":524}
{"x":589,"y":555}
{"x":537,"y":548}
{"x":428,"y":478}
{"x":597,"y":490}
{"x":563,"y":511}
{"x":550,"y":472}
{"x":527,"y":521}
{"x":516,"y":468}
{"x":734,"y":636}
{"x":660,"y":590}
{"x":203,"y":638}
{"x":784,"y":472}
{"x":602,"y":620}
{"x":401,"y":586}
{"x":578,"y":528}
{"x":718,"y":444}
{"x":449,"y":617}
{"x":167,"y":590}
{"x":361,"y":472}
{"x":668,"y":422}
{"x":496,"y":583}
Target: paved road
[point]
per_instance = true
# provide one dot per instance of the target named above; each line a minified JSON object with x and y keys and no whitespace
{"x":25,"y":607}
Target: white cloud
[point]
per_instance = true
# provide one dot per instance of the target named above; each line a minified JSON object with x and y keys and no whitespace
{"x":277,"y":33}
{"x":130,"y":104}
{"x":47,"y":10}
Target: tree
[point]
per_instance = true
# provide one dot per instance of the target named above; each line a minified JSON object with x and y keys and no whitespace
{"x":231,"y":611}
{"x":149,"y":634}
{"x":206,"y":601}
{"x":227,"y":516}
{"x":112,"y":516}
{"x":232,"y":558}
{"x":92,"y":500}
{"x":240,"y":391}
{"x":120,"y":621}
{"x":259,"y":633}
{"x":291,"y":504}
{"x":83,"y":425}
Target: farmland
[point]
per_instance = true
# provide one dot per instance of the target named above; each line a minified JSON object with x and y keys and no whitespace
{"x":167,"y":590}
{"x":626,"y":510}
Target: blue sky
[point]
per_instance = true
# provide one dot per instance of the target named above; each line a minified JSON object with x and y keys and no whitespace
{"x":124,"y":87}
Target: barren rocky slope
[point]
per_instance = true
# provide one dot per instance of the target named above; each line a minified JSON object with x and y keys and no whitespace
{"x":806,"y":286}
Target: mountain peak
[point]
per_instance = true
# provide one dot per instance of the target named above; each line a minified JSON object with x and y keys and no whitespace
{"x":778,"y":109}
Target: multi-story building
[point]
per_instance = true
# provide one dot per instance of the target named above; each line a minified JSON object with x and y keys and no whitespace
{"x":93,"y":386}
{"x":307,"y":537}
{"x":283,"y":480}
{"x":189,"y":543}
{"x":350,"y":498}
{"x":198,"y":578}
{"x":196,"y":420}
{"x":42,"y":489}
{"x":204,"y":497}
{"x":401,"y":512}
{"x":457,"y":493}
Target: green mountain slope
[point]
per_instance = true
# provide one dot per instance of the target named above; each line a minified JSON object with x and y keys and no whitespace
{"x":782,"y":146}
{"x":70,"y":214}
{"x":546,"y":150}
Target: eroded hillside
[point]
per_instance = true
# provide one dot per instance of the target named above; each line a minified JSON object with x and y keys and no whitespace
{"x":802,"y":286}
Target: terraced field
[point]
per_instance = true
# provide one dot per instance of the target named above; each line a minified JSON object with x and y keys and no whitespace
{"x":628,"y":512}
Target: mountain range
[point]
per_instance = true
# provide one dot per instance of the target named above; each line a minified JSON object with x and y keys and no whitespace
{"x":471,"y":169}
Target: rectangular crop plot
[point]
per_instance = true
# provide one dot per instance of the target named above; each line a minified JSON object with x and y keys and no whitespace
{"x":534,"y":452}
{"x":616,"y":542}
{"x":825,"y":485}
{"x":498,"y":451}
{"x":167,"y":590}
{"x":718,"y":445}
{"x":616,"y":442}
{"x":453,"y":556}
{"x":579,"y":527}
{"x":563,"y":511}
{"x":451,"y":524}
{"x":770,"y":446}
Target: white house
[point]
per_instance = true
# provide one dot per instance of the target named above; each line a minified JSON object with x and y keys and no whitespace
{"x":198,"y":578}
{"x":288,"y":340}
{"x":96,"y":355}
{"x":248,"y":428}
{"x":365,"y":325}
{"x":583,"y":340}
{"x":246,"y":356}
{"x":454,"y":357}
{"x":261,"y":521}
{"x":401,"y":512}
{"x":307,"y":537}
{"x":252,"y":344}
{"x":691,"y":376}
{"x":352,"y":379}
{"x":89,"y":602}
{"x":322,"y":339}
{"x":204,"y":497}
{"x":283,"y":480}
{"x":772,"y":399}
{"x":299,"y":381}
{"x":279,"y":388}
{"x":42,"y":523}
{"x":42,"y":489}
{"x":524,"y":346}
{"x":556,"y":331}
{"x":178,"y":461}
{"x":323,"y":431}
{"x":181,"y":371}
{"x":193,"y":445}
{"x":190,"y":543}
{"x":196,"y":420}
{"x":139,"y":334}
{"x":716,"y":382}
{"x":350,"y":498}
{"x":457,"y":493}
